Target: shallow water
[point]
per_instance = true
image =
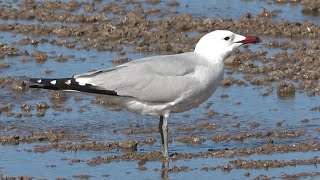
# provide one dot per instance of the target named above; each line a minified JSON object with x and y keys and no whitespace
{"x":244,"y":106}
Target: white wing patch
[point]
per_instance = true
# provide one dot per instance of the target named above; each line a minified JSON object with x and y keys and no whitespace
{"x":53,"y":82}
{"x":39,"y":81}
{"x":68,"y":82}
{"x":82,"y":81}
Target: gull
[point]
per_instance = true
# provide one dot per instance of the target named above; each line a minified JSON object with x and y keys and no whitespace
{"x":159,"y":85}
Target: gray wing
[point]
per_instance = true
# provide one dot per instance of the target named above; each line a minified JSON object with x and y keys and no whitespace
{"x":153,"y":79}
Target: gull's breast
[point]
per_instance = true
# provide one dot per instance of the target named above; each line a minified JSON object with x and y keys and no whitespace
{"x":209,"y":79}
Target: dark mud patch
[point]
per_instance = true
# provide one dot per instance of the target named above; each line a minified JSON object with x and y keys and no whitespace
{"x":300,"y":175}
{"x":249,"y":135}
{"x":39,"y":137}
{"x":15,"y":177}
{"x":82,"y":176}
{"x":176,"y":169}
{"x":126,"y":146}
{"x":311,"y":7}
{"x":192,"y":139}
{"x":104,"y":103}
{"x":141,"y":131}
{"x":9,"y":51}
{"x":266,"y":164}
{"x":147,"y":156}
{"x":204,"y":125}
{"x":14,"y":84}
{"x":211,"y":153}
{"x":6,"y":107}
{"x":285,"y":90}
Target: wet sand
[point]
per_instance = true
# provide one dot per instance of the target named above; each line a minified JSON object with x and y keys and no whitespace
{"x":262,"y":123}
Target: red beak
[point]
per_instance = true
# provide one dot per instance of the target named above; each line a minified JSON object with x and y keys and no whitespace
{"x":250,"y":39}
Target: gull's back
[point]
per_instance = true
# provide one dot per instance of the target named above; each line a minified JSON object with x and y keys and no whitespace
{"x":152,"y":79}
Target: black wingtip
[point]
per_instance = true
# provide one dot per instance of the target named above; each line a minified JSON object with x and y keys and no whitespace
{"x":34,"y":81}
{"x":34,"y":86}
{"x":67,"y":84}
{"x":43,"y":83}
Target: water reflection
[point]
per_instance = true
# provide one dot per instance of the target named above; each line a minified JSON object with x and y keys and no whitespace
{"x":165,"y":169}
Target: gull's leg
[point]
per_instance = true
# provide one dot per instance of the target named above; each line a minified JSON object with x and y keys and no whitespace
{"x":163,"y":128}
{"x":160,"y":129}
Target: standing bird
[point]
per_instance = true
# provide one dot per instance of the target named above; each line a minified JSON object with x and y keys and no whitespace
{"x":159,"y":85}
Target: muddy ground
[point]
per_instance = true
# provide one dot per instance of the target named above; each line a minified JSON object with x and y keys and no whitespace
{"x":262,"y":123}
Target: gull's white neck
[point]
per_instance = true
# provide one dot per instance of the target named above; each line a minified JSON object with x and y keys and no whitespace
{"x":212,"y":56}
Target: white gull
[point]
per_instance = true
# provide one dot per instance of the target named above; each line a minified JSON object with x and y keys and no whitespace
{"x":159,"y":85}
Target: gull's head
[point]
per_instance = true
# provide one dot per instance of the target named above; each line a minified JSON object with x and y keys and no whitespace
{"x":220,"y":43}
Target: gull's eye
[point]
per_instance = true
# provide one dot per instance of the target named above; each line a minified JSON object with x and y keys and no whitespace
{"x":226,"y":38}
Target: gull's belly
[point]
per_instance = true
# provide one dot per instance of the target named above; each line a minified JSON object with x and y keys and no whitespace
{"x":194,"y":101}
